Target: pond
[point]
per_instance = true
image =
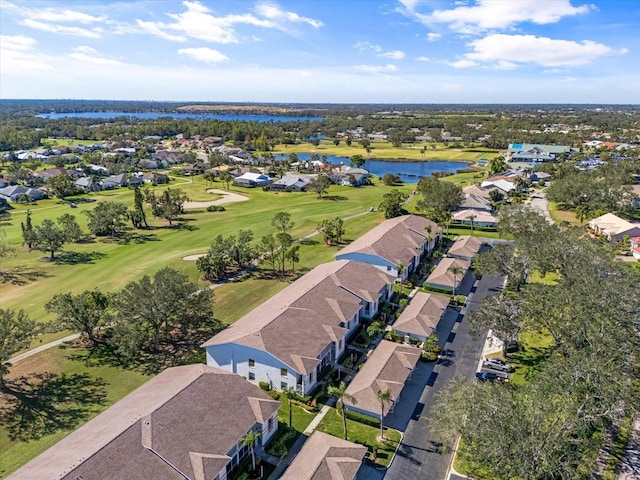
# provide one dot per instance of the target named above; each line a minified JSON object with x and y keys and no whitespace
{"x":409,"y":172}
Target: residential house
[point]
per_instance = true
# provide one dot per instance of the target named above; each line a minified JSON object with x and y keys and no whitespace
{"x":388,"y":367}
{"x":290,"y":183}
{"x":478,"y":191}
{"x":442,"y":277}
{"x":154,"y":178}
{"x":45,"y":175}
{"x":524,"y":152}
{"x":250,"y":179}
{"x":115,"y":181}
{"x":349,"y":176}
{"x":187,"y":422}
{"x":475,"y":218}
{"x":614,"y":228}
{"x":502,"y":184}
{"x":396,"y":246}
{"x":476,"y":202}
{"x":13,"y":193}
{"x":635,"y":247}
{"x":88,"y":184}
{"x":537,"y":177}
{"x":421,"y":317}
{"x":291,"y":337}
{"x":325,"y":457}
{"x":465,"y":247}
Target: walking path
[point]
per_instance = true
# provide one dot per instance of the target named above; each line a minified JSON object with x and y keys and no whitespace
{"x":42,"y":348}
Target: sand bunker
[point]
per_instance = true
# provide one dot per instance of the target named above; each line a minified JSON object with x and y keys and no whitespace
{"x":227,"y":197}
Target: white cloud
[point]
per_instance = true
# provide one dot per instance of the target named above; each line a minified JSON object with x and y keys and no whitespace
{"x":423,"y":59}
{"x":64,"y":16}
{"x":499,"y":14}
{"x":85,"y":49}
{"x":367,"y":46}
{"x":393,"y":55}
{"x":464,"y":63}
{"x":274,"y":12}
{"x":524,"y":49}
{"x":432,"y":37}
{"x":370,"y":47}
{"x":93,"y":59}
{"x":16,"y":42}
{"x":198,"y":21}
{"x":19,"y":56}
{"x":157,"y":30}
{"x":377,"y":68}
{"x":62,"y":29}
{"x":204,"y":54}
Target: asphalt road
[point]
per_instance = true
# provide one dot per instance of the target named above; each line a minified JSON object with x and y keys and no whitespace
{"x":418,"y":457}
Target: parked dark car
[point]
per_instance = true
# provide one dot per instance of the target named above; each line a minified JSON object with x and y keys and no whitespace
{"x":492,"y":377}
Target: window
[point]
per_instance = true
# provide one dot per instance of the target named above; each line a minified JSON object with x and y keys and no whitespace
{"x":284,"y":372}
{"x":283,"y":385}
{"x":252,"y":362}
{"x":252,"y":376}
{"x":311,"y":377}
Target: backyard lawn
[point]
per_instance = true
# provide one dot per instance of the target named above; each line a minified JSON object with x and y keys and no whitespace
{"x":364,"y":435}
{"x":59,"y":392}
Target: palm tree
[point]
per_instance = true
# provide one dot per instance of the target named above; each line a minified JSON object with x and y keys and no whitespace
{"x":383,"y":396}
{"x":582,"y":212}
{"x":250,"y":440}
{"x":428,"y":230}
{"x":290,"y":393}
{"x":341,"y":395}
{"x":456,"y":270}
{"x":401,"y":268}
{"x":226,"y":178}
{"x":472,"y":217}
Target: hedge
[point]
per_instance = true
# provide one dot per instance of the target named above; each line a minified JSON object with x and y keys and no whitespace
{"x":362,"y":418}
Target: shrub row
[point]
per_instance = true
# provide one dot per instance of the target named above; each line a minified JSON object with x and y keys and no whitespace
{"x":362,"y":418}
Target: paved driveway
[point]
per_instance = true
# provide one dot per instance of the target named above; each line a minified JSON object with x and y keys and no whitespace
{"x":418,"y":455}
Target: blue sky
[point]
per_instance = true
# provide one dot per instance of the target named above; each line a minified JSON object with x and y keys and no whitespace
{"x":343,"y":51}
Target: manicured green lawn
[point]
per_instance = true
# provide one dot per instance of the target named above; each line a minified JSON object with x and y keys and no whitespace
{"x":364,"y":435}
{"x":110,"y":264}
{"x":301,"y":418}
{"x":535,"y":346}
{"x":559,"y":215}
{"x":474,"y":233}
{"x":117,"y":384}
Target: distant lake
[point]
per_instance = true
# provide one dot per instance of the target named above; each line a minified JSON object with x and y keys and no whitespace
{"x":409,"y":172}
{"x":198,"y":116}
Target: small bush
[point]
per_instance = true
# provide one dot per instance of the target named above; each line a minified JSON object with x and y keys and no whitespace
{"x":394,"y":337}
{"x":215,"y":208}
{"x":273,"y":394}
{"x":264,"y":386}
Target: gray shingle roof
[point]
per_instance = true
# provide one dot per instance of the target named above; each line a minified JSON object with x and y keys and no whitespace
{"x":325,"y":457}
{"x":395,"y":239}
{"x":388,"y":367}
{"x":298,"y":323}
{"x":186,"y":418}
{"x":422,"y":315}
